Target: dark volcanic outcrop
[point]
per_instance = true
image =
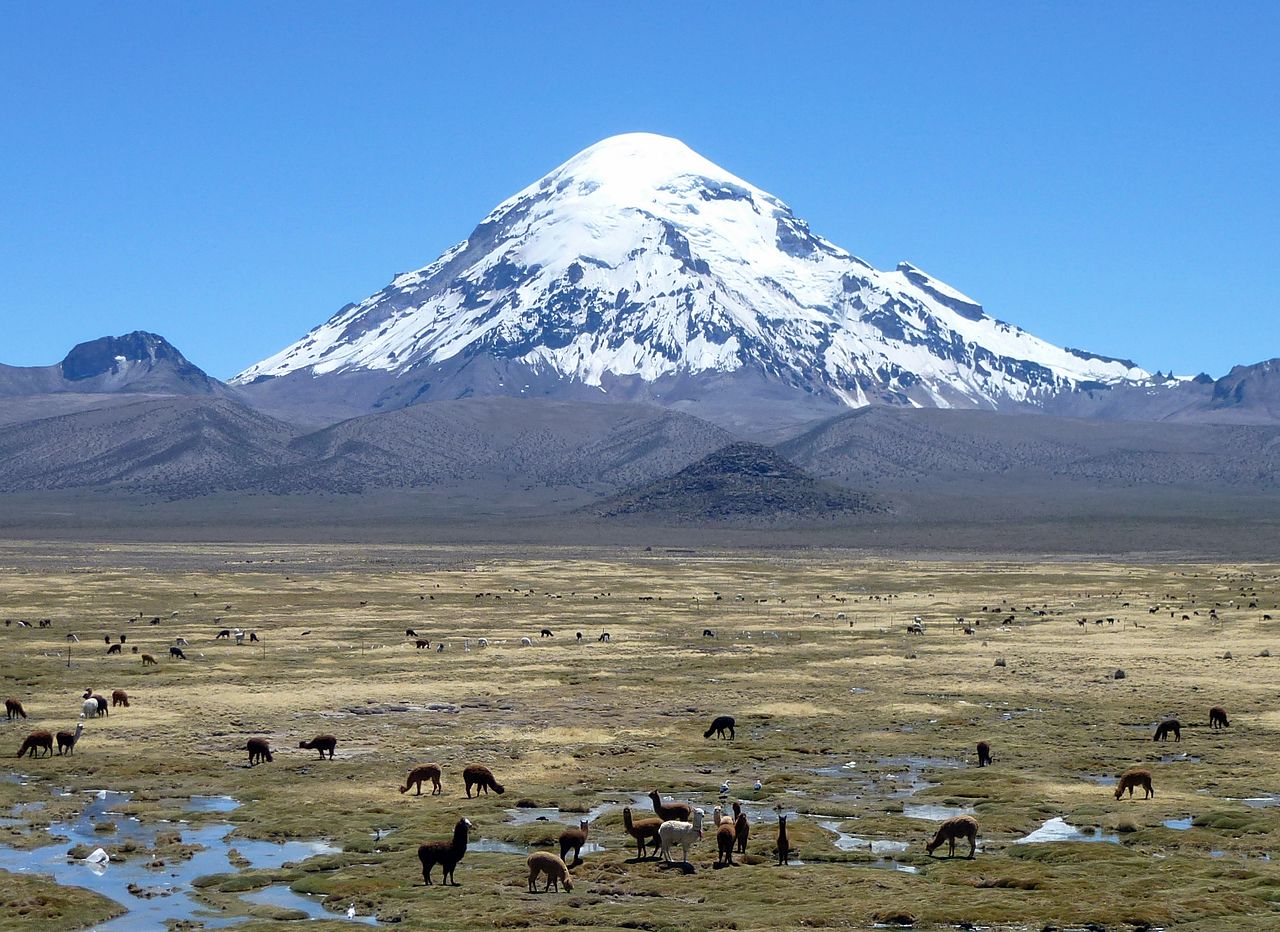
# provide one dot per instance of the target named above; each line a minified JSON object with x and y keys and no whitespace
{"x":740,"y":483}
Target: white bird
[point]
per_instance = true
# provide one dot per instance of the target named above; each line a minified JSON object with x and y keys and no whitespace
{"x":351,"y":911}
{"x":759,"y":786}
{"x":724,"y":788}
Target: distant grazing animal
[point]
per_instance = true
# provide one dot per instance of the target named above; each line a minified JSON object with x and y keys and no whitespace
{"x":119,"y":697}
{"x":445,"y":853}
{"x":253,"y":638}
{"x":123,"y":638}
{"x":46,"y":622}
{"x":224,"y":633}
{"x":1135,"y":776}
{"x":784,"y":844}
{"x":37,"y":740}
{"x":482,"y":642}
{"x":482,"y":778}
{"x":13,"y":709}
{"x":552,"y":867}
{"x":526,"y":642}
{"x":259,"y":750}
{"x":572,"y":839}
{"x":546,"y":633}
{"x":952,"y":831}
{"x":721,"y":726}
{"x":604,"y":637}
{"x":113,"y":649}
{"x":100,"y":701}
{"x":181,"y":642}
{"x":915,"y":628}
{"x":725,"y":839}
{"x":418,"y":774}
{"x":321,"y":743}
{"x":106,"y":639}
{"x":644,"y":831}
{"x":148,"y":660}
{"x":681,"y":812}
{"x":741,"y":828}
{"x":579,"y":637}
{"x":708,"y":633}
{"x":175,"y":653}
{"x":676,"y":832}
{"x":134,"y":648}
{"x":154,"y":621}
{"x":440,"y":647}
{"x":1167,"y":726}
{"x":70,"y":637}
{"x":67,"y":740}
{"x":422,"y":643}
{"x":410,"y":633}
{"x":89,"y":708}
{"x":1218,"y":717}
{"x":984,"y":754}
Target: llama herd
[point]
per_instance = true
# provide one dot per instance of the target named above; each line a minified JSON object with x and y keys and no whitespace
{"x":92,"y":705}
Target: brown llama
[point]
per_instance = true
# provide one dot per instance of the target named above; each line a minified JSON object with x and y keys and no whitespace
{"x":572,"y":839}
{"x":445,"y":853}
{"x":119,"y":697}
{"x":984,"y":754}
{"x":741,"y":828}
{"x":67,"y":740}
{"x":13,"y":709}
{"x":1135,"y":776}
{"x":671,"y":812}
{"x":644,"y":831}
{"x":148,"y":660}
{"x":552,"y":867}
{"x":1167,"y":726}
{"x":259,"y":750}
{"x":725,"y":840}
{"x":784,"y":844}
{"x":321,"y":743}
{"x":36,"y":741}
{"x":1218,"y":717}
{"x":418,"y":774}
{"x":481,"y":777}
{"x":952,"y":831}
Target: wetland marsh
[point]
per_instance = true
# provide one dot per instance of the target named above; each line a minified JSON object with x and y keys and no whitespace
{"x":863,"y":734}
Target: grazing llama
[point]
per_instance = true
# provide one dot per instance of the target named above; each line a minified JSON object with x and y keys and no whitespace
{"x":36,"y":741}
{"x":721,"y":727}
{"x":259,"y":750}
{"x":13,"y":709}
{"x":481,"y":777}
{"x":418,"y":774}
{"x":1164,"y":728}
{"x":1135,"y":776}
{"x":1218,"y":717}
{"x":984,"y":754}
{"x":550,"y":866}
{"x":321,"y":743}
{"x":951,"y":831}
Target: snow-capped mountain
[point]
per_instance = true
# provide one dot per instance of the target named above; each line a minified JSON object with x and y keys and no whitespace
{"x":638,"y":270}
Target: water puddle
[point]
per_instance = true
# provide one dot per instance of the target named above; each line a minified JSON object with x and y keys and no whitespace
{"x":1058,"y":829}
{"x":1260,"y":802}
{"x":1178,"y":825}
{"x":846,"y":842}
{"x":493,"y":846}
{"x":932,"y":812}
{"x":282,"y":897}
{"x":145,"y":875}
{"x":1182,"y":758}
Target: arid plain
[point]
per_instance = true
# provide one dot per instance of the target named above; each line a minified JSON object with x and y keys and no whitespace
{"x":863,"y":734}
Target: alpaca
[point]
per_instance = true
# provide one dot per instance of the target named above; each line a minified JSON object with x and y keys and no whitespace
{"x":784,"y":844}
{"x":321,"y":743}
{"x":445,"y":853}
{"x":35,"y":741}
{"x":644,"y":831}
{"x":951,"y":831}
{"x":552,"y":867}
{"x":526,"y":642}
{"x":670,"y":811}
{"x":684,"y":834}
{"x":725,"y":840}
{"x":984,"y":754}
{"x":1135,"y":776}
{"x":1218,"y":717}
{"x":1163,"y":729}
{"x":741,"y":828}
{"x":13,"y":709}
{"x":119,"y":697}
{"x":421,"y":643}
{"x":258,"y":750}
{"x":418,"y":774}
{"x":573,"y":839}
{"x":175,"y":653}
{"x":89,"y":708}
{"x":67,"y":740}
{"x":546,"y":633}
{"x":100,"y":703}
{"x":482,"y":778}
{"x":719,"y":725}
{"x":148,"y":660}
{"x":224,"y":633}
{"x":410,"y":633}
{"x":113,"y":649}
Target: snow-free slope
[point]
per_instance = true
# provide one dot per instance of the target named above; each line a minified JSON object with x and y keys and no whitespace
{"x":638,"y":270}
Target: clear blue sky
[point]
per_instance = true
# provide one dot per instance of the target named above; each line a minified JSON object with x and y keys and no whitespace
{"x":229,"y":174}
